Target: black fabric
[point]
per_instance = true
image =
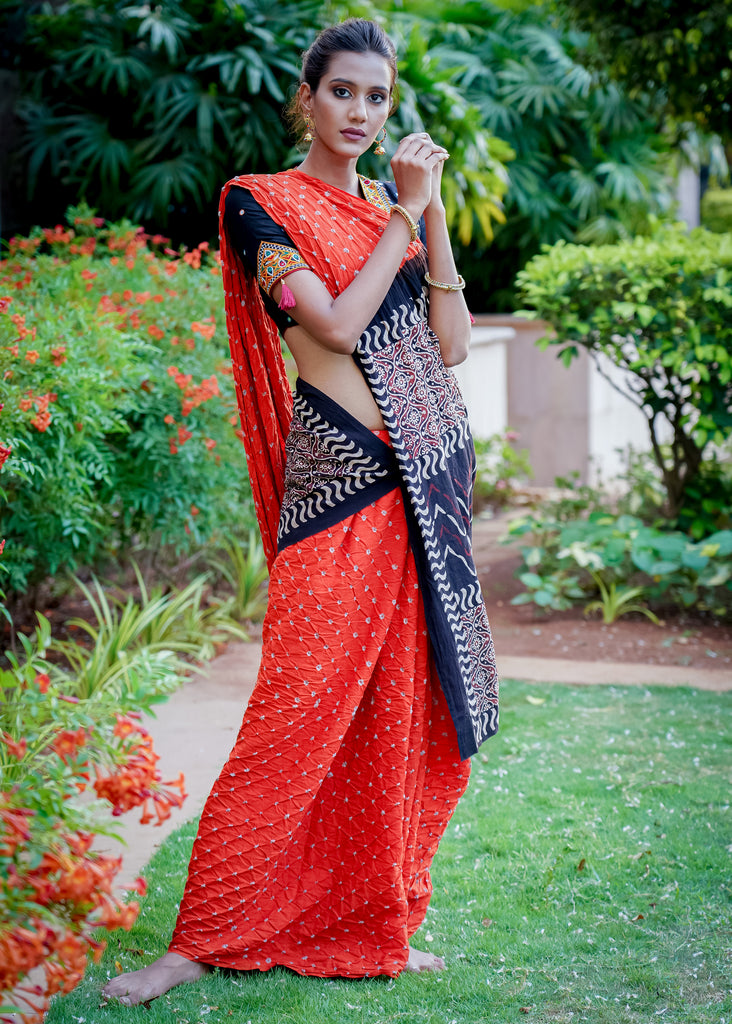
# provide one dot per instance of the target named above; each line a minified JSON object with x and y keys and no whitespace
{"x":246,"y":230}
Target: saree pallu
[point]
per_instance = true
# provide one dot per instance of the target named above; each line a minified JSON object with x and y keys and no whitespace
{"x":314,"y":847}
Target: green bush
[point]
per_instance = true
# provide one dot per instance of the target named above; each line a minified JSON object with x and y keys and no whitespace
{"x":570,"y":562}
{"x":660,"y":309}
{"x":500,"y":469}
{"x":119,"y":409}
{"x":716,"y":209}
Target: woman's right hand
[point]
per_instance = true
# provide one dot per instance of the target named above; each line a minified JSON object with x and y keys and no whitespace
{"x":412,"y":164}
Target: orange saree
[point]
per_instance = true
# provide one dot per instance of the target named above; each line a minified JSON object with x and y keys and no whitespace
{"x":314,"y":847}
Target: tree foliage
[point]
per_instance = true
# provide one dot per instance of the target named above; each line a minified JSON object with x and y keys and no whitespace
{"x":660,"y":309}
{"x":589,"y":164}
{"x":146,"y":110}
{"x":680,"y":49}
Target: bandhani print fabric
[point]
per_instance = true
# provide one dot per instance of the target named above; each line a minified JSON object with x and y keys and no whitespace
{"x":378,"y":678}
{"x":314,"y":847}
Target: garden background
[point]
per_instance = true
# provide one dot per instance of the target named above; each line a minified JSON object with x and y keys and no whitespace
{"x":568,"y":125}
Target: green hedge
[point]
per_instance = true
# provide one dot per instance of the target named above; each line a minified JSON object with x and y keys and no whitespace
{"x":716,"y":209}
{"x":118,"y":420}
{"x":660,"y":309}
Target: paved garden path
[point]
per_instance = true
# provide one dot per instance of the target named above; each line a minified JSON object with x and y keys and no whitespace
{"x":196,"y":728}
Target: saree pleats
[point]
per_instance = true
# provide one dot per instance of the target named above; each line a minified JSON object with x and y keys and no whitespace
{"x":314,"y":847}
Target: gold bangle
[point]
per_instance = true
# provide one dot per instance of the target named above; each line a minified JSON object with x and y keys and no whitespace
{"x":446,"y":287}
{"x":396,"y":208}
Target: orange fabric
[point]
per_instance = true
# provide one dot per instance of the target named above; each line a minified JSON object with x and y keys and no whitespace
{"x":314,"y":847}
{"x":335,"y":232}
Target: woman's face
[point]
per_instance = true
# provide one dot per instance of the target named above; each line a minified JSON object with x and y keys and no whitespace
{"x":351,"y":104}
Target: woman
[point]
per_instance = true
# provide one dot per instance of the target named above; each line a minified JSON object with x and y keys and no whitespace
{"x":377,"y":679}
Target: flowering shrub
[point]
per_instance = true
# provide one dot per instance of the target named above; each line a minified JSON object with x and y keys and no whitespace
{"x":55,"y":890}
{"x":117,"y":412}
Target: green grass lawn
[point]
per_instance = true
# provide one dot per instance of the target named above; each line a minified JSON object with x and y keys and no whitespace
{"x":586,"y":876}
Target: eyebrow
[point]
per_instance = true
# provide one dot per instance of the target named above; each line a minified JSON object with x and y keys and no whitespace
{"x":347,"y":81}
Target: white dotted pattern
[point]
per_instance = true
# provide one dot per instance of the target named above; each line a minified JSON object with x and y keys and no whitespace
{"x":315,"y":844}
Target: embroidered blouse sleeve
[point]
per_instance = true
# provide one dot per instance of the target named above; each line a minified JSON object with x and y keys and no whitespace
{"x":265,"y":247}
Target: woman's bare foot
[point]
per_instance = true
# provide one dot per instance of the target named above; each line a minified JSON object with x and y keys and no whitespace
{"x":149,"y":983}
{"x":419,"y":961}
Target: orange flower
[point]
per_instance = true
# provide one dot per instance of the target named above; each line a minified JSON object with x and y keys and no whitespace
{"x":173,"y":446}
{"x":42,"y":421}
{"x":183,"y":435}
{"x":17,"y":748}
{"x":66,"y":743}
{"x":156,"y":332}
{"x":58,"y":355}
{"x":57,"y":234}
{"x":43,"y":681}
{"x":194,"y":510}
{"x":139,"y":886}
{"x":88,"y":275}
{"x":31,"y":356}
{"x":210,"y":443}
{"x":25,"y":404}
{"x":210,"y":385}
{"x":13,"y":350}
{"x":206,"y":329}
{"x":4,"y":303}
{"x":169,"y":419}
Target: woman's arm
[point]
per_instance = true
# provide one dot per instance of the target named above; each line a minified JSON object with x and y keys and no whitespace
{"x":338,"y":323}
{"x":449,"y":317}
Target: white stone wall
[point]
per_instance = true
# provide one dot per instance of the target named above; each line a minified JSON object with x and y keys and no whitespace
{"x":483,"y":380}
{"x":569,"y":419}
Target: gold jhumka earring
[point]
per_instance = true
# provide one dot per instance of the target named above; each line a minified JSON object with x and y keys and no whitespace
{"x":308,"y":136}
{"x":379,"y":150}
